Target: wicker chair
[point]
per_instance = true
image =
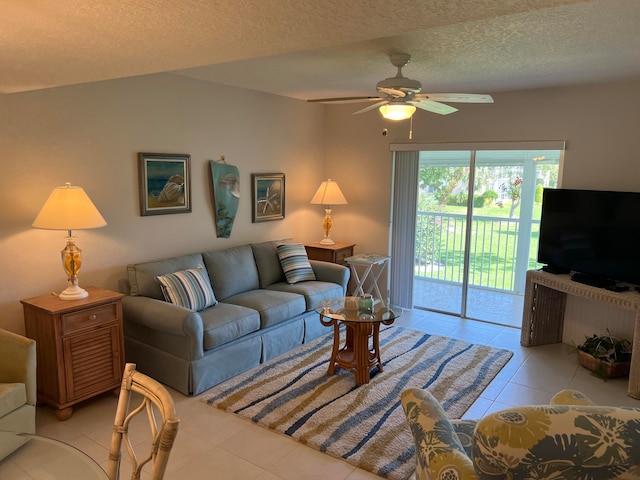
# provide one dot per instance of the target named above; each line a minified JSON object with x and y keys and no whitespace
{"x":570,"y":438}
{"x":155,"y":400}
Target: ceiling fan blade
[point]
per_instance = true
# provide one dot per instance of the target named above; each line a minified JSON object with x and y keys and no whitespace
{"x":343,"y":99}
{"x":456,"y":97}
{"x":371,"y":107}
{"x":434,"y":107}
{"x":392,"y":92}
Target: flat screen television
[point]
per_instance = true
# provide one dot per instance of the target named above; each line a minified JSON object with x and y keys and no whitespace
{"x":593,"y":233}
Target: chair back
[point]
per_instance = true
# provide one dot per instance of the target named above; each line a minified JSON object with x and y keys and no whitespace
{"x":558,"y":441}
{"x":155,"y":402}
{"x":18,"y":360}
{"x":570,"y":438}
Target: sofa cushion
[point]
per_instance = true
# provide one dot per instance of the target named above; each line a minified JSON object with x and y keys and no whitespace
{"x":314,"y":291}
{"x":231,"y":271}
{"x":12,"y":396}
{"x":142,"y":276}
{"x":295,"y":263}
{"x":267,"y":261}
{"x":274,"y":307}
{"x":188,"y":288}
{"x":226,"y":322}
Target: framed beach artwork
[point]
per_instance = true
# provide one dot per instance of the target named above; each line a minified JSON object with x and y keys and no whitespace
{"x":268,"y":196}
{"x":165,"y":183}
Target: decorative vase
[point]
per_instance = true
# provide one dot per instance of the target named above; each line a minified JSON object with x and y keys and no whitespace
{"x":365,"y":304}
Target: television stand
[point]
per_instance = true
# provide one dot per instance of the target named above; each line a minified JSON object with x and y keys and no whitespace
{"x":543,"y":314}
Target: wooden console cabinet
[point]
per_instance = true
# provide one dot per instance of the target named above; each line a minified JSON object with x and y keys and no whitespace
{"x":543,"y":313}
{"x":79,"y":346}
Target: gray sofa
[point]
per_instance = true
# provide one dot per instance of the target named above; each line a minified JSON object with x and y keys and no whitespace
{"x":258,"y":315}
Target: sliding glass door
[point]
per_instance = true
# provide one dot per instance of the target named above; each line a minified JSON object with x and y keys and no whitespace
{"x":441,"y":247}
{"x":476,"y":228}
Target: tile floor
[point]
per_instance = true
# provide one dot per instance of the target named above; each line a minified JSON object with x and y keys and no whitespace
{"x":213,"y":444}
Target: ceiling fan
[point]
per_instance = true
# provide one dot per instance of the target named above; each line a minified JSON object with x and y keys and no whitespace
{"x":399,"y":96}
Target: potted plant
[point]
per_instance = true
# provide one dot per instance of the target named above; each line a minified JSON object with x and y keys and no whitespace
{"x":605,"y":355}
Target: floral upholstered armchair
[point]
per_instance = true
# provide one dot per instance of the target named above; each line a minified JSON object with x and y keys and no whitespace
{"x":570,"y":439}
{"x":18,"y":388}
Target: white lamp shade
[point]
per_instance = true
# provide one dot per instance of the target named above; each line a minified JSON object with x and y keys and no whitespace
{"x":397,"y":111}
{"x":329,"y":193}
{"x":68,"y":208}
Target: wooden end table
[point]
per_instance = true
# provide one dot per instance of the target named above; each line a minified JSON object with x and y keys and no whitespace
{"x":79,"y":346}
{"x":361,"y":349}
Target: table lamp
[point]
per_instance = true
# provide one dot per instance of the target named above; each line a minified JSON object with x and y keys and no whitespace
{"x":328,"y":194}
{"x":70,"y":208}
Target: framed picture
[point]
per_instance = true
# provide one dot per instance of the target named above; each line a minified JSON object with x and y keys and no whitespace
{"x":267,"y":191}
{"x":165,"y":183}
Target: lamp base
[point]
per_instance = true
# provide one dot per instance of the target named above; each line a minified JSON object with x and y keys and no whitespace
{"x":327,"y":223}
{"x":73,"y":292}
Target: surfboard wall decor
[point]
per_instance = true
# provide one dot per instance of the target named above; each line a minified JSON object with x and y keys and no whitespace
{"x":226,"y":195}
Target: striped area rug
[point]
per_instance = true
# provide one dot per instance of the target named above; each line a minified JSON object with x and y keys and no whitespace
{"x":366,"y":426}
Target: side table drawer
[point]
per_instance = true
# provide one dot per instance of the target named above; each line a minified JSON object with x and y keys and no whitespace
{"x":336,"y":253}
{"x":89,"y":318}
{"x":319,"y":254}
{"x":342,"y":254}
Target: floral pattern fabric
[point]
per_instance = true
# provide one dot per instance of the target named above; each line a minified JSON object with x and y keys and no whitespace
{"x":440,"y":454}
{"x":571,"y":439}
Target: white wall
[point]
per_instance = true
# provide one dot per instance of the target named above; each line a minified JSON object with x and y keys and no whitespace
{"x":90,"y":135}
{"x":599,"y":122}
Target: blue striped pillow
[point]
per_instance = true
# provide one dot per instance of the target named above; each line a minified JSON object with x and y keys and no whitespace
{"x":188,"y":288}
{"x":295,"y":263}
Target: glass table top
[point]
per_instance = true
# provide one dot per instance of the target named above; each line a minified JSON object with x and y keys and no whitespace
{"x":353,"y":309}
{"x":43,"y":457}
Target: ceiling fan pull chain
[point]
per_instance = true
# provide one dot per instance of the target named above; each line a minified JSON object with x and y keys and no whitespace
{"x":411,"y":128}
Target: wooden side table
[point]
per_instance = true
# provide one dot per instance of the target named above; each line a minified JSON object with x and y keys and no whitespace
{"x":330,"y":253}
{"x":79,"y":346}
{"x":357,"y":353}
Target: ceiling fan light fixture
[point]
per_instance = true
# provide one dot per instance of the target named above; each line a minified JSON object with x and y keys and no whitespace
{"x":397,"y":111}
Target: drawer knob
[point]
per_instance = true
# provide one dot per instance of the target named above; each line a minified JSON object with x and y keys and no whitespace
{"x":92,"y":317}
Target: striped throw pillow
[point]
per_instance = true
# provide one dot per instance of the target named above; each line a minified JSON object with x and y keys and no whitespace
{"x":295,"y":263}
{"x":188,"y":288}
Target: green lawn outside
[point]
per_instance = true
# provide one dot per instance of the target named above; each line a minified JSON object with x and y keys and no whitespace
{"x":492,"y":254}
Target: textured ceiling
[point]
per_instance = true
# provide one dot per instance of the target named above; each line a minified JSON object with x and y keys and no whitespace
{"x":321,"y":48}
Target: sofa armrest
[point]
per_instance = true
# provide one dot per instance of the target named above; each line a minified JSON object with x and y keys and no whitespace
{"x":331,"y":272}
{"x":18,"y":362}
{"x":166,"y":326}
{"x":438,"y":448}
